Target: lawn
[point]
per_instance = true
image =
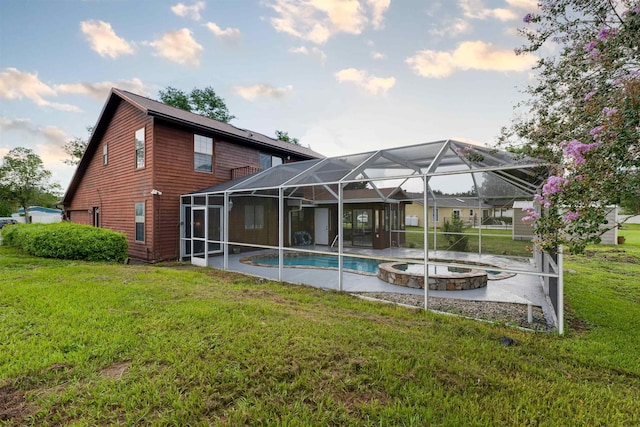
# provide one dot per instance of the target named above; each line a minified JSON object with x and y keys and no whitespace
{"x":496,"y":242}
{"x":102,"y":344}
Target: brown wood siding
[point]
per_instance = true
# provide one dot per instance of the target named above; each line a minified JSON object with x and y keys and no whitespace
{"x":175,"y":175}
{"x":230,"y":156}
{"x":169,"y":168}
{"x":117,"y":186}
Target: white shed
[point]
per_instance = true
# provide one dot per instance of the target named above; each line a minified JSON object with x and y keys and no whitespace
{"x":520,"y":229}
{"x":38,"y":214}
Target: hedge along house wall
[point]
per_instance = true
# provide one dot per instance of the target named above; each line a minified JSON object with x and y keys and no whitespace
{"x":417,"y":166}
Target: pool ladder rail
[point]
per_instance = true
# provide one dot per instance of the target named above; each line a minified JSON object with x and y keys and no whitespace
{"x":331,"y":248}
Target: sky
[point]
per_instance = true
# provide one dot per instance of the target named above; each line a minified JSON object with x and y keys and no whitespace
{"x":342,"y":76}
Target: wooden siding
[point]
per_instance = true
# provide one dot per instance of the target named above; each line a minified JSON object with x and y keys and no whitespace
{"x":169,"y":168}
{"x":117,"y":186}
{"x":230,"y":156}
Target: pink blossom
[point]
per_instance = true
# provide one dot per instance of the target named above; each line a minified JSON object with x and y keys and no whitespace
{"x":527,"y":18}
{"x":589,"y":96}
{"x":591,"y":46}
{"x":554,"y":185}
{"x":576,"y":149}
{"x":570,"y":216}
{"x":596,"y":131}
{"x":594,"y":54}
{"x":531,"y":216}
{"x":609,"y":111}
{"x":605,"y":33}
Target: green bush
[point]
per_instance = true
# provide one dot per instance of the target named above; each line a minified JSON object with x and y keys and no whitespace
{"x":67,"y":241}
{"x":453,"y":232}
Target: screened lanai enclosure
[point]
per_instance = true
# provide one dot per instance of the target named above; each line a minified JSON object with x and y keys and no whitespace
{"x":365,"y":223}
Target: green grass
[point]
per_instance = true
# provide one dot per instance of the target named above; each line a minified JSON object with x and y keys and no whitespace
{"x":496,"y":242}
{"x":101,"y":344}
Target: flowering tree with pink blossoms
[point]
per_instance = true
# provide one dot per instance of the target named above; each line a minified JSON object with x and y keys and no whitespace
{"x":583,"y":115}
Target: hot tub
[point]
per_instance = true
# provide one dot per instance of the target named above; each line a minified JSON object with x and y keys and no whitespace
{"x":441,"y":278}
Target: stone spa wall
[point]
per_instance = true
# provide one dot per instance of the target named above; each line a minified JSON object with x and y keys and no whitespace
{"x":392,"y":272}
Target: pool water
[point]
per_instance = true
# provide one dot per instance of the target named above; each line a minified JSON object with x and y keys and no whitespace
{"x":324,"y":261}
{"x":360,"y":265}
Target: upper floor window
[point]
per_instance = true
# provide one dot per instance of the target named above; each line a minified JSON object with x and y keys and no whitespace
{"x":140,"y":148}
{"x":267,"y":161}
{"x":202,"y":153}
{"x":105,"y":157}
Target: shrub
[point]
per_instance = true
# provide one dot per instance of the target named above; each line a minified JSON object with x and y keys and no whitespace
{"x":453,"y":232}
{"x":67,"y":241}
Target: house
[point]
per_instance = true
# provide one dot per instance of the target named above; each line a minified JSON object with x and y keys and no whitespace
{"x":444,"y":208}
{"x":143,"y":154}
{"x":38,"y":214}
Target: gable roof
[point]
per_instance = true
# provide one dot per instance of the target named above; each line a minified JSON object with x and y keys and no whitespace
{"x":180,"y":116}
{"x":177,"y":116}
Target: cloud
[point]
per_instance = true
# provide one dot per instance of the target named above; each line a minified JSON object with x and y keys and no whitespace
{"x":229,"y":35}
{"x":185,"y":11}
{"x":470,"y":55}
{"x":178,"y":46}
{"x":314,"y":52}
{"x":378,"y":8}
{"x":361,"y":78}
{"x":475,"y":9}
{"x":377,"y":55}
{"x":101,"y":90}
{"x":49,"y":140}
{"x":104,"y":40}
{"x":15,"y":84}
{"x":451,"y":28}
{"x":318,"y":20}
{"x":262,"y":91}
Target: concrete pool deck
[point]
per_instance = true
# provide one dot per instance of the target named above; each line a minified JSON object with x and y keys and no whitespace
{"x":522,"y":288}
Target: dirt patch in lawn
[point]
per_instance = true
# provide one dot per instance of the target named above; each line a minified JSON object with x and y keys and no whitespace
{"x":116,"y":371}
{"x":13,"y":406}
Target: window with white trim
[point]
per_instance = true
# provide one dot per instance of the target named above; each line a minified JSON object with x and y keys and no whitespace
{"x":253,"y":217}
{"x":105,"y":152}
{"x":140,"y":148}
{"x":202,"y":153}
{"x":140,"y":222}
{"x":435,"y":214}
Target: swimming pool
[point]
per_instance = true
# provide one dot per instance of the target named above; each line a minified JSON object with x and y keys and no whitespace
{"x":359,"y":265}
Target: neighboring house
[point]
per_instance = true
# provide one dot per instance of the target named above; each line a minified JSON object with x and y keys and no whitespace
{"x":143,"y":154}
{"x":445,"y":208}
{"x":38,"y":214}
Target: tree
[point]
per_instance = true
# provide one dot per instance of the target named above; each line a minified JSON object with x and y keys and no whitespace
{"x":284,"y":136}
{"x":25,"y":180}
{"x":200,"y":101}
{"x":583,"y":115}
{"x":76,"y":148}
